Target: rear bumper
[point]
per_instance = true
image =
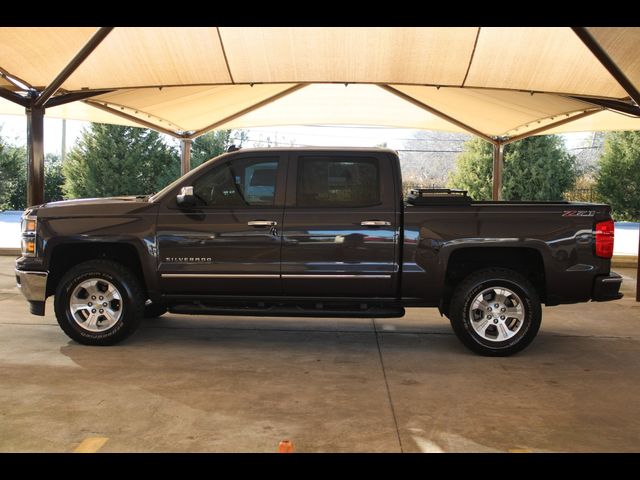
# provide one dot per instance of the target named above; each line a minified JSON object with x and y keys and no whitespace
{"x":606,"y":287}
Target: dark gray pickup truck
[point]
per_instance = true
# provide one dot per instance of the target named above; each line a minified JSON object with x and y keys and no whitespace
{"x":313,"y":232}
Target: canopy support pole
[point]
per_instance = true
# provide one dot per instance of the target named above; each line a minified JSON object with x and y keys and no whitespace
{"x":65,"y":98}
{"x":14,"y":97}
{"x":35,"y":155}
{"x":549,"y":126}
{"x":638,"y":274}
{"x":131,"y":118}
{"x":615,"y":71}
{"x":438,"y":113}
{"x":185,"y":157}
{"x":607,"y":62}
{"x":617,"y":105}
{"x":71,"y":67}
{"x":498,"y":163}
{"x":244,"y":111}
{"x":63,"y":147}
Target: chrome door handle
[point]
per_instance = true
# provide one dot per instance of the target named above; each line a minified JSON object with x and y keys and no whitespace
{"x":375,"y":223}
{"x":262,"y":223}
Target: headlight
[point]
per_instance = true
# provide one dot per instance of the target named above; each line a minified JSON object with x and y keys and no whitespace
{"x":29,"y":227}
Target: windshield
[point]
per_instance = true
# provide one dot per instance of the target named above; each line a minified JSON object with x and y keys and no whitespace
{"x":179,"y":180}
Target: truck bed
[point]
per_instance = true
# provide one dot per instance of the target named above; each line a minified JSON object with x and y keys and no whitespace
{"x":555,"y":235}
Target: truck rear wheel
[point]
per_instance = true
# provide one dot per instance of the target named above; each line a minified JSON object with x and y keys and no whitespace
{"x":99,"y":302}
{"x":495,"y":312}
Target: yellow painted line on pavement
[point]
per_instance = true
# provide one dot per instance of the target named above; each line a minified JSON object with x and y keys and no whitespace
{"x":91,"y":445}
{"x":519,"y":450}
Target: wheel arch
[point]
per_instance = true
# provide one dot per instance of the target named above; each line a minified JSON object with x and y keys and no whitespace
{"x":463,"y":262}
{"x":524,"y":322}
{"x":66,"y":255}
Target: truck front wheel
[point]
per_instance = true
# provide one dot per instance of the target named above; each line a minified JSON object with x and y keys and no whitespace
{"x":495,"y":312}
{"x":99,"y":302}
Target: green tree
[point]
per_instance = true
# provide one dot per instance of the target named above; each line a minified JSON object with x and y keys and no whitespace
{"x":538,"y":168}
{"x":473,"y":170}
{"x":13,"y":168}
{"x":18,"y":195}
{"x":535,"y":168}
{"x":618,"y":181}
{"x":13,"y":172}
{"x":111,"y":160}
{"x":214,"y":143}
{"x":53,"y":178}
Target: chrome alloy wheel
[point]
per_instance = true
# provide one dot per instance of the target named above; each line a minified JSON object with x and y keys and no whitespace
{"x":497,"y":314}
{"x":96,"y":305}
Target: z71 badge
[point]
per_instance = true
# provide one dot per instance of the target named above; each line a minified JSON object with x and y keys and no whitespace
{"x":578,"y":213}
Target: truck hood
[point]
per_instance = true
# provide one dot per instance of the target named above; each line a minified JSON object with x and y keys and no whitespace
{"x":91,"y":207}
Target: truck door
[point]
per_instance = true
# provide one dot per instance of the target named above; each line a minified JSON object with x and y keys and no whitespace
{"x":229,"y":242}
{"x":340,"y":225}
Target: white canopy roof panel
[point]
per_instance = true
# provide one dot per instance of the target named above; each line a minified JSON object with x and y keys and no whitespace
{"x":499,"y":81}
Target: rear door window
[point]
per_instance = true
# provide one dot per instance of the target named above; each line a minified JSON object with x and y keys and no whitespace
{"x":338,"y":182}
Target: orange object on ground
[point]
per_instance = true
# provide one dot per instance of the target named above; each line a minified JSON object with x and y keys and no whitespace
{"x":286,"y":446}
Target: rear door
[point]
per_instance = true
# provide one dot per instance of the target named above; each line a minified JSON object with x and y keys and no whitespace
{"x":340,"y":225}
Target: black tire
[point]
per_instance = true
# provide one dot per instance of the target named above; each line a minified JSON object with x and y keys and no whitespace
{"x":154,"y":310}
{"x":130,"y":308}
{"x":460,"y":313}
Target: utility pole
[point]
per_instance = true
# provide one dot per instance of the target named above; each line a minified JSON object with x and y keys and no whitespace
{"x":63,"y":148}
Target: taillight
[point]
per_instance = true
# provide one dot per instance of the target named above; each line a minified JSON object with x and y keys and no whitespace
{"x":604,"y":239}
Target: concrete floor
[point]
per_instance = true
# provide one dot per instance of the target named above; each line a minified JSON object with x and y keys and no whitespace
{"x":242,"y":384}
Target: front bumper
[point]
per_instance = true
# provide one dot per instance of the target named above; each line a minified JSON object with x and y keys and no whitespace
{"x":606,"y":287}
{"x":33,"y":286}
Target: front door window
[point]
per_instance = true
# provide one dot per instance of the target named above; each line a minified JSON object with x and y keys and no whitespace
{"x":246,"y":182}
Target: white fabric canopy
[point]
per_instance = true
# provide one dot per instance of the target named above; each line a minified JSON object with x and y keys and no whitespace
{"x":501,"y":82}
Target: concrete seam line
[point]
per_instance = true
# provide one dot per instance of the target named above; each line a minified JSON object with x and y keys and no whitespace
{"x":386,"y":384}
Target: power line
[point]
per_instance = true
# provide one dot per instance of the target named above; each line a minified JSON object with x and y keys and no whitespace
{"x":585,"y":148}
{"x":285,"y":142}
{"x":281,"y":144}
{"x":427,"y":151}
{"x":294,"y":143}
{"x":327,"y":135}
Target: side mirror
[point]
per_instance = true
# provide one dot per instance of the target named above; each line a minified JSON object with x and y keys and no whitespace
{"x":186,"y":198}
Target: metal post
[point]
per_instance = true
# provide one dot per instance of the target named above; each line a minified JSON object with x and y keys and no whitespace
{"x":63,"y":147}
{"x":638,"y":274}
{"x":72,"y":66}
{"x":251,"y":108}
{"x":608,"y":63}
{"x":35,"y":155}
{"x":185,"y":157}
{"x":438,"y":113}
{"x":548,"y":126}
{"x":498,"y":162}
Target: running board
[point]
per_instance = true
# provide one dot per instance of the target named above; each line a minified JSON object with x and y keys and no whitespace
{"x":317,"y":310}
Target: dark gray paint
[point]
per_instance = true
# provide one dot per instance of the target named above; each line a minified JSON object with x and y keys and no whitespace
{"x":404,"y":263}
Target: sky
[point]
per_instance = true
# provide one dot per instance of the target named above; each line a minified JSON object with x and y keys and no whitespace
{"x":13,"y":128}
